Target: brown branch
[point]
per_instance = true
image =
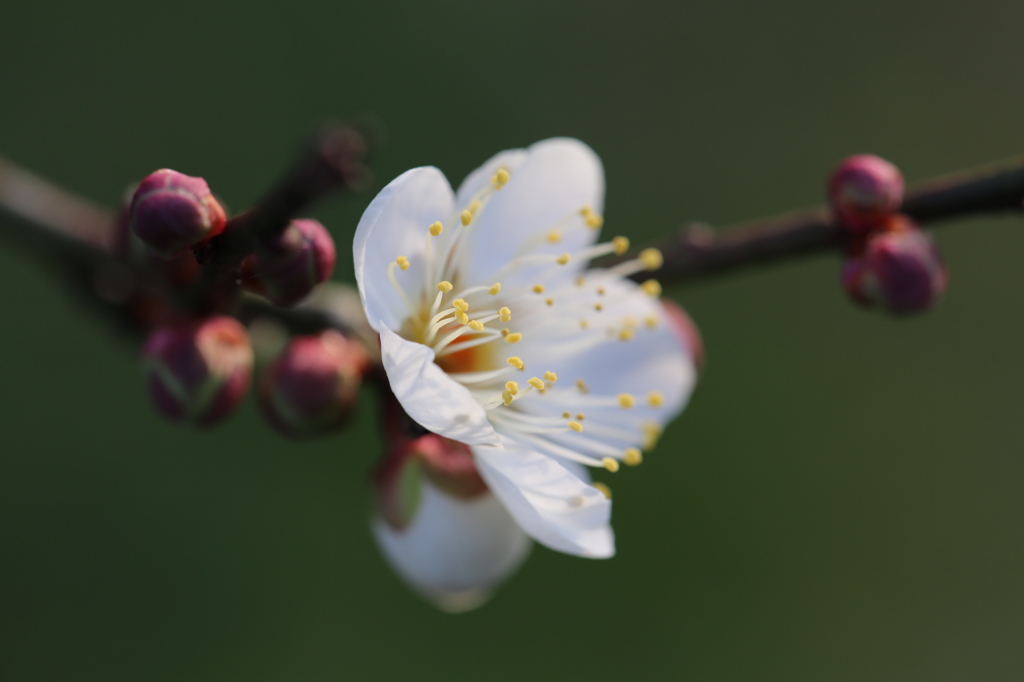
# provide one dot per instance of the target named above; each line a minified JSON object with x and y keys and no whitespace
{"x":697,"y":251}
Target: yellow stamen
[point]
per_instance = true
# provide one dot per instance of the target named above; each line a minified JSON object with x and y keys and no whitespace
{"x":550,"y":377}
{"x":554,"y":236}
{"x":580,"y":416}
{"x":655,"y":399}
{"x":621,"y":245}
{"x":538,"y":288}
{"x":626,"y":334}
{"x":584,"y":324}
{"x":462,"y":317}
{"x":506,"y":331}
{"x":610,"y":464}
{"x":516,"y":362}
{"x":436,"y":228}
{"x":563,"y":259}
{"x":579,"y":281}
{"x":403,"y":262}
{"x":652,"y":432}
{"x":592,"y":219}
{"x":535,"y":382}
{"x":598,"y":307}
{"x":460,"y":304}
{"x":549,"y":301}
{"x":629,"y":321}
{"x":473,"y":207}
{"x":567,"y":415}
{"x":600,"y":291}
{"x":500,"y":178}
{"x":514,"y":338}
{"x":582,"y":386}
{"x":575,"y":426}
{"x":626,"y":400}
{"x":495,"y":288}
{"x":633,"y":457}
{"x":651,"y":259}
{"x":652,"y":288}
{"x":506,"y":398}
{"x":651,"y":321}
{"x":466,"y":217}
{"x":444,"y":287}
{"x":504,"y":314}
{"x":604,"y":490}
{"x":512,"y":387}
{"x":476,"y":325}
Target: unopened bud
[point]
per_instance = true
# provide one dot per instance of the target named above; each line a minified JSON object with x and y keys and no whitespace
{"x":864,"y":190}
{"x":900,"y":269}
{"x":685,"y":331}
{"x":172,"y":212}
{"x":198,"y":371}
{"x":299,"y":259}
{"x":313,"y":385}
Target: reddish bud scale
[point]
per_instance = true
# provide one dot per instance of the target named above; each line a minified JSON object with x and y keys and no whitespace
{"x":313,"y":385}
{"x":172,"y":213}
{"x":863,"y":190}
{"x":301,"y":257}
{"x":900,"y":269}
{"x":198,"y":371}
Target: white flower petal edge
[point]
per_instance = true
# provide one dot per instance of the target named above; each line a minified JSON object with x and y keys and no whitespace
{"x":551,"y":504}
{"x":393,"y":224}
{"x":433,"y":400}
{"x":455,"y":552}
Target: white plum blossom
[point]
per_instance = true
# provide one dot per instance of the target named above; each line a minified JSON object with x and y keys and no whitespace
{"x":493,"y":333}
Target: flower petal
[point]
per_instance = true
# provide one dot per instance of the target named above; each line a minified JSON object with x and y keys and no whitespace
{"x":429,"y":396}
{"x":510,"y":160}
{"x":551,"y":504}
{"x":549,"y":185}
{"x":395,"y":224}
{"x":455,"y":552}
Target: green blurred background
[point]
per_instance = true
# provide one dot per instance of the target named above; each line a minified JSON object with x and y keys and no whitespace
{"x":842,"y":500}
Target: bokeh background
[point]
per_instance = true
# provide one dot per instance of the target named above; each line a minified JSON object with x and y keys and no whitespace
{"x":841,"y":501}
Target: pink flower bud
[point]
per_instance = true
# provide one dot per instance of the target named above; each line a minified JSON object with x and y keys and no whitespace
{"x":685,"y":331}
{"x":299,"y":259}
{"x":863,"y":190}
{"x":312,"y":386}
{"x":900,"y":269}
{"x":172,"y":212}
{"x":198,"y":371}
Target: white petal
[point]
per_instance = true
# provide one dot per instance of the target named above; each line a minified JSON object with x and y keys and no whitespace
{"x":552,"y":505}
{"x":395,"y":224}
{"x":553,"y":181}
{"x":455,"y":551}
{"x":435,"y":401}
{"x":510,"y":160}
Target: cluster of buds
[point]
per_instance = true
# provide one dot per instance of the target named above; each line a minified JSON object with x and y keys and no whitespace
{"x":199,"y":363}
{"x":890,"y":261}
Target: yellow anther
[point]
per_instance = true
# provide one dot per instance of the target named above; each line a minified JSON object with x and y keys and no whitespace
{"x":516,"y":362}
{"x":652,"y":288}
{"x":651,"y":321}
{"x":460,"y":304}
{"x":476,"y":325}
{"x":575,"y":426}
{"x":580,"y":281}
{"x":652,"y":432}
{"x":403,"y":262}
{"x":567,"y":415}
{"x":506,"y":331}
{"x":584,"y":324}
{"x":514,"y":338}
{"x":655,"y":399}
{"x":462,"y":317}
{"x":473,"y":207}
{"x":592,"y":219}
{"x":535,"y":382}
{"x":444,"y":287}
{"x":504,"y":314}
{"x":651,"y":259}
{"x":512,"y":387}
{"x":554,"y":236}
{"x":632,"y":457}
{"x":626,"y":334}
{"x":598,"y":307}
{"x":629,"y":321}
{"x":495,"y":288}
{"x":621,"y":245}
{"x":549,"y":301}
{"x":582,"y":386}
{"x":600,"y":291}
{"x":580,"y":416}
{"x":538,"y":288}
{"x":563,"y":259}
{"x":610,"y":464}
{"x":500,"y":178}
{"x":550,"y":377}
{"x":603,"y":489}
{"x":626,"y":400}
{"x":466,"y":217}
{"x":436,"y":228}
{"x":506,"y":398}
